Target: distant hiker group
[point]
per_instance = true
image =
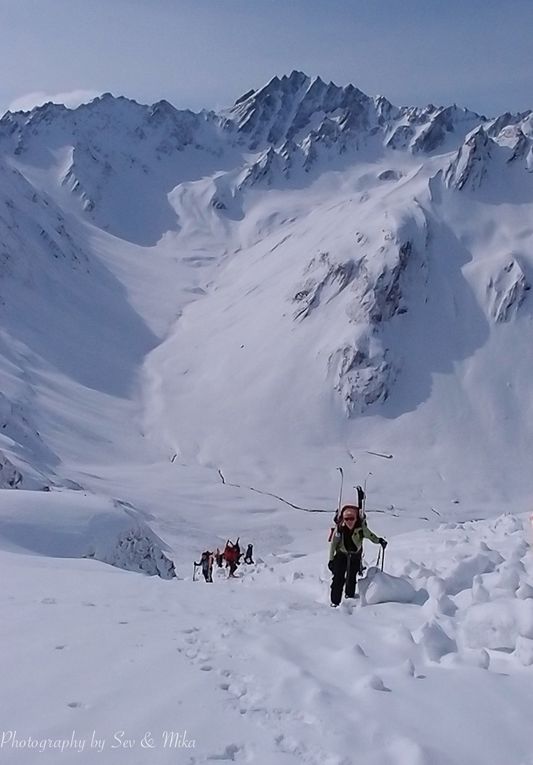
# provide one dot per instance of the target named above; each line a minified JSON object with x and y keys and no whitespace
{"x":347,"y":534}
{"x":230,"y":556}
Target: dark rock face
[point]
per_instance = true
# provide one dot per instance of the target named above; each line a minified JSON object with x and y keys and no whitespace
{"x":506,"y":291}
{"x":470,"y":165}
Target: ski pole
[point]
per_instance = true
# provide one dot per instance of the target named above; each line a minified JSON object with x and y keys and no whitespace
{"x":340,"y":491}
{"x":364,"y":493}
{"x":339,"y":504}
{"x":382,"y":557}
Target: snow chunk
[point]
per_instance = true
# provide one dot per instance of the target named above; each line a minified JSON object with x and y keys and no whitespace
{"x":525,"y":591}
{"x":374,"y":682}
{"x":509,"y":576}
{"x":525,"y":620}
{"x":476,"y":658}
{"x":508,"y":524}
{"x":379,"y":587}
{"x":491,"y":625}
{"x":441,"y":605}
{"x":462,"y":576}
{"x":435,"y":642}
{"x":480,"y":594}
{"x":524,"y":651}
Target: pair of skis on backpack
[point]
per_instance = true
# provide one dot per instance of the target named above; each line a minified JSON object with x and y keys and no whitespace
{"x":359,"y":504}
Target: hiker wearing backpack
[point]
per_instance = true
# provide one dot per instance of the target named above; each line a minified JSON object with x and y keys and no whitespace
{"x":231,"y":556}
{"x":206,"y":562}
{"x":345,"y":551}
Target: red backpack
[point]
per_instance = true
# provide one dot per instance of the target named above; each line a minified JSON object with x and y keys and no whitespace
{"x":230,"y":554}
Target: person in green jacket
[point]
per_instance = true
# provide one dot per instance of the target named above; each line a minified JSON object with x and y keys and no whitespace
{"x":345,"y":552}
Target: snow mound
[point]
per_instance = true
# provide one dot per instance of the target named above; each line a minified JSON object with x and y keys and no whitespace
{"x":499,"y":625}
{"x":462,"y":576}
{"x":379,"y":587}
{"x":435,"y":641}
{"x":77,"y":525}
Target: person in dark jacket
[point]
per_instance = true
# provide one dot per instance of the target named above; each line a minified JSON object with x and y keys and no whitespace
{"x":248,"y":558}
{"x":345,"y":552}
{"x":206,"y":562}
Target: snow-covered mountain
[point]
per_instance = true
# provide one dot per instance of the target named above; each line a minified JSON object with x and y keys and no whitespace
{"x":203,"y":316}
{"x":345,"y":274}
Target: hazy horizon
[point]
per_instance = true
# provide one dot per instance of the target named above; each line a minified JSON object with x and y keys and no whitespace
{"x":206,"y":53}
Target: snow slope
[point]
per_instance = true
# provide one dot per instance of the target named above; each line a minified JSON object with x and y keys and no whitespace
{"x":262,"y":670}
{"x":339,"y":289}
{"x":201,"y":317}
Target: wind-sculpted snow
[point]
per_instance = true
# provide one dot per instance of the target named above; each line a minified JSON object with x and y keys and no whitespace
{"x":470,"y":166}
{"x":136,"y":549}
{"x":76,"y":525}
{"x":269,"y":672}
{"x":120,"y":159}
{"x":313,"y":667}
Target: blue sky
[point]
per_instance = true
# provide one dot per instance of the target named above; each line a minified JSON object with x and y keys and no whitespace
{"x":205,"y":53}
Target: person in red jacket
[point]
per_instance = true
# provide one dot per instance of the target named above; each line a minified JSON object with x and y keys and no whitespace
{"x":231,"y":556}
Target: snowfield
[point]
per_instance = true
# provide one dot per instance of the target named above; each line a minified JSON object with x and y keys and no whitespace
{"x":260,"y":669}
{"x":202,"y":317}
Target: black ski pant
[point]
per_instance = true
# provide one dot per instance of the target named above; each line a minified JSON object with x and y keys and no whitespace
{"x":345,"y":567}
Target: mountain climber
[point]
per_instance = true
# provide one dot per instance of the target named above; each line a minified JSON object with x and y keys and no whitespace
{"x":218,"y":557}
{"x":231,"y":556}
{"x":345,"y":551}
{"x":206,"y":562}
{"x":249,"y":553}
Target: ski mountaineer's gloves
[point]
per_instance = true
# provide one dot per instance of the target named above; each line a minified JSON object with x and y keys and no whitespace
{"x":383,"y":542}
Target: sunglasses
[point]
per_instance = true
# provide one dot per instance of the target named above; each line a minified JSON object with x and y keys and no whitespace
{"x":349,"y":517}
